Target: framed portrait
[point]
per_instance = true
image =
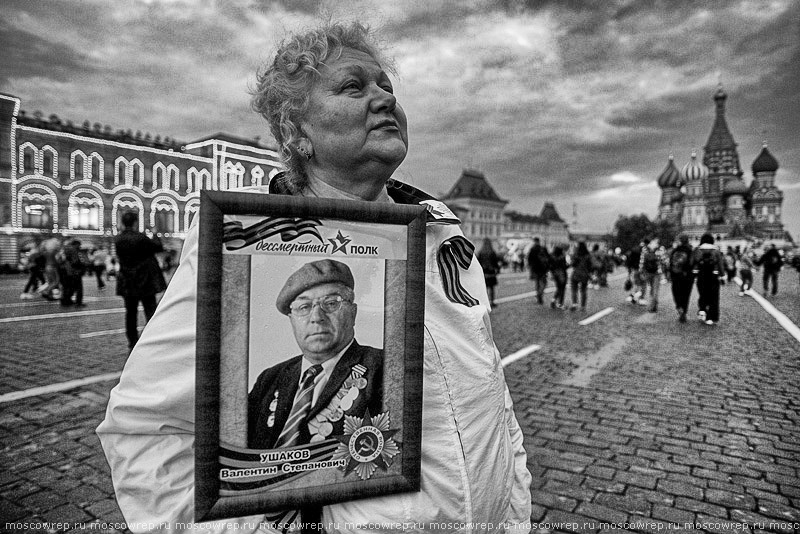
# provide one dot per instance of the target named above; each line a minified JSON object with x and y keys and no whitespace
{"x":309,"y":352}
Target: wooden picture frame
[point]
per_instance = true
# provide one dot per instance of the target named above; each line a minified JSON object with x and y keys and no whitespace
{"x":249,"y":246}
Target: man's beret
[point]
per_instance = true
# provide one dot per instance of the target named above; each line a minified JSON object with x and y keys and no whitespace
{"x":311,"y":275}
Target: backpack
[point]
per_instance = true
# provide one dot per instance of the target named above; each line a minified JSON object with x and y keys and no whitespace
{"x":679,"y":262}
{"x":707,"y":264}
{"x":650,"y":261}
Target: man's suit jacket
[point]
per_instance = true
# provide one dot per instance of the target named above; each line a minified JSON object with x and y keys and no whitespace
{"x":283,"y":380}
{"x":139,"y":274}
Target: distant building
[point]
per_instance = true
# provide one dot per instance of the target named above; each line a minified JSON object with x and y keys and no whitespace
{"x":57,"y":177}
{"x":482,"y":213}
{"x":711,"y":196}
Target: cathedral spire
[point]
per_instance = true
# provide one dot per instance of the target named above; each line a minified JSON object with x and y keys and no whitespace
{"x":720,"y":138}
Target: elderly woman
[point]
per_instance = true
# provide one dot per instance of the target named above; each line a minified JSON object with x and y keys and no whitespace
{"x":342,"y":133}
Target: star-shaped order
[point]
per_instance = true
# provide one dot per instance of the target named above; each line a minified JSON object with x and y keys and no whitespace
{"x":339,"y":242}
{"x":371,"y":440}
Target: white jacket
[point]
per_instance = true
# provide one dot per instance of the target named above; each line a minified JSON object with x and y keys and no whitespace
{"x":473,"y":478}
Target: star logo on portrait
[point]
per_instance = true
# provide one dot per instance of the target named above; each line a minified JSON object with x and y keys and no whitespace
{"x":339,"y":242}
{"x":368,"y":443}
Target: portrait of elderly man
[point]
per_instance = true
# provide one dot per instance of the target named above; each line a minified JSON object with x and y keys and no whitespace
{"x":304,"y":399}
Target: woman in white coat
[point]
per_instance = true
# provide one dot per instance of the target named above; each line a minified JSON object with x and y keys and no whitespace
{"x":342,"y":134}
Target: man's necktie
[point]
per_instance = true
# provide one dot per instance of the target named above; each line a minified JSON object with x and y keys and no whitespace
{"x":302,"y":402}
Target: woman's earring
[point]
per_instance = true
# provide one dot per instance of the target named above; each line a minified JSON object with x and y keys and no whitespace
{"x":306,"y":154}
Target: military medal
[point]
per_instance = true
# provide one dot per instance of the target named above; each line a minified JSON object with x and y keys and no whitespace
{"x":321,"y":426}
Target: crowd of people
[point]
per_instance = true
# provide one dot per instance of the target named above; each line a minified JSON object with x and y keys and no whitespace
{"x":56,"y":268}
{"x":649,"y":266}
{"x":707,"y":267}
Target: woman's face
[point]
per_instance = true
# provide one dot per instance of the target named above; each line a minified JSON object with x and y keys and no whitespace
{"x":353,"y":118}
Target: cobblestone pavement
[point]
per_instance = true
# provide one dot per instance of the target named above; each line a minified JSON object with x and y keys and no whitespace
{"x":633,"y":422}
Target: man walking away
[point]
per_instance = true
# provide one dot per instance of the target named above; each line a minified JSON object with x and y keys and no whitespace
{"x":539,"y":263}
{"x":708,"y":267}
{"x":680,"y":272}
{"x":139,"y":278}
{"x":771,"y":262}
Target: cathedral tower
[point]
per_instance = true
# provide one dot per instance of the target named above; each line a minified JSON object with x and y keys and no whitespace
{"x":722,"y":161}
{"x":765,"y":198}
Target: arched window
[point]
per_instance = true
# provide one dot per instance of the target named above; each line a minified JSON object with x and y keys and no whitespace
{"x":47,"y":163}
{"x":158,"y":175}
{"x":97,"y":168}
{"x":27,"y":158}
{"x":85,"y":210}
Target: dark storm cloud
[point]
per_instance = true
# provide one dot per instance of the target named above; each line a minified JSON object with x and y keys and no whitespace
{"x":571,"y":101}
{"x":28,"y":55}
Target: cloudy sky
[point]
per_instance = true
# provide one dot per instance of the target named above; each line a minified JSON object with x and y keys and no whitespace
{"x":577,"y":102}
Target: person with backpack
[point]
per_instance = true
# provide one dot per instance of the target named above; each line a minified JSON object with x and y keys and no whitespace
{"x":539,"y":264}
{"x":680,"y":273}
{"x":650,"y":269}
{"x":708,"y":269}
{"x":772,"y":262}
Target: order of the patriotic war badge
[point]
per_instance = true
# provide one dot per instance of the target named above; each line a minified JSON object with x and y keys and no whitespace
{"x":367,"y":443}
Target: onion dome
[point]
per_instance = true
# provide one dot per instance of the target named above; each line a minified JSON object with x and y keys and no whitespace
{"x":671,"y":177}
{"x":694,"y":170}
{"x":765,"y":162}
{"x":735,"y":187}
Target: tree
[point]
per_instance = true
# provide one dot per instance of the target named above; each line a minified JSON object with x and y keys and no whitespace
{"x":629,"y":231}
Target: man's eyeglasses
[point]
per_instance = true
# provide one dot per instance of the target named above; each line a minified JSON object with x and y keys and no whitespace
{"x":328,"y":304}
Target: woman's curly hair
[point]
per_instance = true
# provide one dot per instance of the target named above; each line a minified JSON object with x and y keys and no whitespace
{"x":284,"y":87}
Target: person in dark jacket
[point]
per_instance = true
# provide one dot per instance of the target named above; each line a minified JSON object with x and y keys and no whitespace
{"x":73,"y":267}
{"x":579,"y":281}
{"x":680,"y":273}
{"x":558,"y":268}
{"x":139,"y":278}
{"x":771,"y":263}
{"x":538,"y":264}
{"x":490,"y":263}
{"x":708,"y":268}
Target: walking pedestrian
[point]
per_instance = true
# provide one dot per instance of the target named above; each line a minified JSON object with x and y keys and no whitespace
{"x":558,"y":268}
{"x":73,"y":266}
{"x":637,"y":289}
{"x":579,"y":281}
{"x":51,"y":289}
{"x":99,"y":257}
{"x":538,"y":264}
{"x":490,"y":263}
{"x":708,"y":269}
{"x":771,"y":262}
{"x":680,"y":272}
{"x":139,"y":278}
{"x":598,"y":267}
{"x":36,"y":264}
{"x":650,"y":270}
{"x":746,"y":266}
{"x":730,"y":264}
